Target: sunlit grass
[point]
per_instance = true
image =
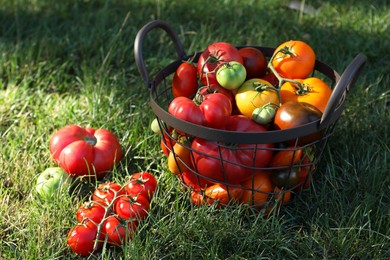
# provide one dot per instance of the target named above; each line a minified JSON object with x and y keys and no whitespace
{"x":72,"y":62}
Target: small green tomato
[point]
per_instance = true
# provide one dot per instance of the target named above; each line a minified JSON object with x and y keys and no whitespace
{"x":263,"y":115}
{"x":231,"y":75}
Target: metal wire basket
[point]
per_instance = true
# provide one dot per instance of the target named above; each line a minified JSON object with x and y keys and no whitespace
{"x":253,"y":143}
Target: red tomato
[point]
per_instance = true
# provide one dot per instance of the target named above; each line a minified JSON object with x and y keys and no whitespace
{"x":212,"y":110}
{"x":195,"y":182}
{"x":185,"y":80}
{"x":237,"y":160}
{"x":271,"y":78}
{"x":81,"y":239}
{"x":212,"y":57}
{"x":91,"y":210}
{"x":136,"y":208}
{"x":107,"y":192}
{"x":141,"y":183}
{"x":214,"y":88}
{"x":255,"y":62}
{"x":118,"y":231}
{"x":85,"y":151}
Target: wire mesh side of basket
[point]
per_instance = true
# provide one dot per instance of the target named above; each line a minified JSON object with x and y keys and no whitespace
{"x":161,"y":96}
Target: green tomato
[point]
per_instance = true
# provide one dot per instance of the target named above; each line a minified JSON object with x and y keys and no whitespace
{"x":263,"y":115}
{"x":231,"y":75}
{"x":155,"y":126}
{"x":51,"y":181}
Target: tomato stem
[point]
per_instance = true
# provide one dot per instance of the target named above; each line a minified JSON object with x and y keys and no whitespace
{"x":106,"y":215}
{"x":282,"y":80}
{"x":91,"y":140}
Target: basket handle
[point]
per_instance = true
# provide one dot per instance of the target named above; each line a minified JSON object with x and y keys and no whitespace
{"x":346,"y":81}
{"x":139,"y":39}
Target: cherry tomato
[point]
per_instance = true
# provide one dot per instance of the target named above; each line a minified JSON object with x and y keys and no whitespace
{"x":141,"y":183}
{"x":259,"y":187}
{"x":255,"y":93}
{"x":128,"y":207}
{"x":255,"y":62}
{"x":91,"y":210}
{"x":212,"y":57}
{"x":82,"y":237}
{"x":293,"y":114}
{"x":107,"y":192}
{"x":231,"y":75}
{"x":211,"y":110}
{"x":310,"y":90}
{"x":185,"y":80}
{"x":294,"y":60}
{"x":118,"y":231}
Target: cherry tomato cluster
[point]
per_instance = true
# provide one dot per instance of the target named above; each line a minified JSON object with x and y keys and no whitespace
{"x":241,"y":90}
{"x":85,"y":151}
{"x":113,"y":214}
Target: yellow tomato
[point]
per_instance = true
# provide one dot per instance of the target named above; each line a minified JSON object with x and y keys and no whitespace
{"x":255,"y":93}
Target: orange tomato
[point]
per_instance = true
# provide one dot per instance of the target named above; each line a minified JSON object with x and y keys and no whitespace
{"x":296,"y":60}
{"x":287,"y":157}
{"x":311,"y":90}
{"x":282,"y":196}
{"x":217,"y":193}
{"x":179,"y":160}
{"x":260,"y":187}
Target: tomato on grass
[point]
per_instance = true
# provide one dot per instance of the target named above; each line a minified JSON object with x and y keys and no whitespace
{"x":141,"y":183}
{"x":128,"y":207}
{"x":85,"y":151}
{"x":107,"y":192}
{"x":82,"y":237}
{"x":91,"y":210}
{"x":118,"y":231}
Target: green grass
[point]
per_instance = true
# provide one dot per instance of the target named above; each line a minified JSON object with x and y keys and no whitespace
{"x":64,"y":62}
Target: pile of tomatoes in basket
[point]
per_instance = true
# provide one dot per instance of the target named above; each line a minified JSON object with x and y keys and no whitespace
{"x":240,"y":89}
{"x":113,"y":214}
